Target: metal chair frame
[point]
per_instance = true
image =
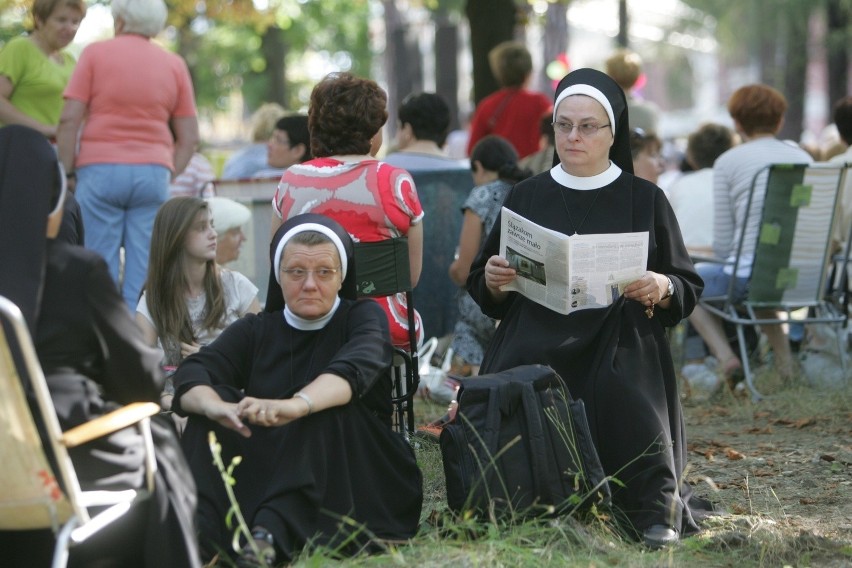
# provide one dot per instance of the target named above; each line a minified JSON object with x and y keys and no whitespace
{"x":34,"y":494}
{"x":743,"y":312}
{"x":382,"y":268}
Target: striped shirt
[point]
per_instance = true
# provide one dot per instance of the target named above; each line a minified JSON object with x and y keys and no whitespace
{"x":733,"y":173}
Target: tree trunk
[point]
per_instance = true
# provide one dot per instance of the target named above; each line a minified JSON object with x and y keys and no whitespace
{"x":491,"y":22}
{"x":839,"y":37}
{"x":446,"y":63}
{"x":402,"y":61}
{"x":795,"y":72}
{"x":555,"y":37}
{"x":274,"y":49}
{"x":623,"y":38}
{"x":771,"y":53}
{"x":187,"y":48}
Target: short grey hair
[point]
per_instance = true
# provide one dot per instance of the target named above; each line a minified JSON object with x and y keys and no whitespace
{"x":144,"y":17}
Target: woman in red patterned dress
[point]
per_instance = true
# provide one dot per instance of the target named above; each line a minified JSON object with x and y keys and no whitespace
{"x":372,"y":200}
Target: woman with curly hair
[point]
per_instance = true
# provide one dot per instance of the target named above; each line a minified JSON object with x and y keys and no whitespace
{"x":188,"y":299}
{"x":372,"y":200}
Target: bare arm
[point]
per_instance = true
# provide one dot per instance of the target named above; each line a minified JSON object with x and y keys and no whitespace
{"x":415,"y":251}
{"x":186,"y":141}
{"x":469,"y":240}
{"x":254,"y":308}
{"x":9,"y":113}
{"x":148,"y":330}
{"x":326,"y":391}
{"x":66,"y":135}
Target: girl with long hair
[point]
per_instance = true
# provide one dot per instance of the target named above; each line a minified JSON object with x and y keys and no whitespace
{"x":188,"y":299}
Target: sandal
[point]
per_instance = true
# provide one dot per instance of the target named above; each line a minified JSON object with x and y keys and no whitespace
{"x":265,"y":545}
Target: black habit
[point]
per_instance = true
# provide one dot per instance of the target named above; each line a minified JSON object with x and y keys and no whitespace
{"x":616,"y":359}
{"x":306,"y":480}
{"x":94,"y":359}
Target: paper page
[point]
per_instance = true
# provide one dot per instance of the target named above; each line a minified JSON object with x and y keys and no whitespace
{"x":569,"y":273}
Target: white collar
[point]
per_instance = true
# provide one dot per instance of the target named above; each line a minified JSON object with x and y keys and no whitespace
{"x":310,"y":325}
{"x":602,"y":179}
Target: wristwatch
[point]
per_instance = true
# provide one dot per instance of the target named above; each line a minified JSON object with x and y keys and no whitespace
{"x":669,"y":289}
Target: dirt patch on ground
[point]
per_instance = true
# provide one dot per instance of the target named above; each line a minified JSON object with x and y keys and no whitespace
{"x":783,"y":464}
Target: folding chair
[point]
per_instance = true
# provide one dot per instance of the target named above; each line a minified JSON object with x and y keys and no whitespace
{"x":839,"y":279}
{"x":791,"y":256}
{"x":33,"y":495}
{"x":382,"y":268}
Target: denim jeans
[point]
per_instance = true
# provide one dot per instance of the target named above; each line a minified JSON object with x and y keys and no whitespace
{"x":716,"y":281}
{"x":119,"y":203}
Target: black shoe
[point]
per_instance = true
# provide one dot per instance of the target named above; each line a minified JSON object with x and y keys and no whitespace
{"x":659,"y":536}
{"x":266,"y":546}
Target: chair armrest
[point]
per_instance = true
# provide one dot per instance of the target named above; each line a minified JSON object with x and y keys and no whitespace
{"x":698,"y":257}
{"x":109,"y":423}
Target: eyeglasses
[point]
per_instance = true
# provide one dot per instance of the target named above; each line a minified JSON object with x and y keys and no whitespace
{"x":585,"y":130}
{"x":299,"y":274}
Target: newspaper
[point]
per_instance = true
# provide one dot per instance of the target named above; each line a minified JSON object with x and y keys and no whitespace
{"x":568,"y":273}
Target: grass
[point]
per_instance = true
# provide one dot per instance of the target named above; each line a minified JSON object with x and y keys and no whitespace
{"x":761,"y":536}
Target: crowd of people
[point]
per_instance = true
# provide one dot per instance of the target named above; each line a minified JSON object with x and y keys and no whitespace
{"x":118,"y":220}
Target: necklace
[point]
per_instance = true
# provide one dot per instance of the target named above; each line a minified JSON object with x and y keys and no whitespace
{"x":568,"y":211}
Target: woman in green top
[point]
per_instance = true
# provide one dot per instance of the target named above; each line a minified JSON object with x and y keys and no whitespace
{"x":34,"y":70}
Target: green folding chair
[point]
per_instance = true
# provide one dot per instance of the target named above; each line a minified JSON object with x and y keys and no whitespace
{"x":791,"y":256}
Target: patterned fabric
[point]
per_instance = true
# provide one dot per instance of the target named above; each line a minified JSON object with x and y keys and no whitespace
{"x":372,"y":200}
{"x":196,"y":180}
{"x":474,"y":329}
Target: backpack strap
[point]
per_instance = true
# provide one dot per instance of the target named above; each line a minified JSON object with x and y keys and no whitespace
{"x":524,"y":395}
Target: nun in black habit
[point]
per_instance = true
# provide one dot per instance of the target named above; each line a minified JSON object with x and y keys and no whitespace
{"x":302,"y":393}
{"x":616,"y":359}
{"x":94,"y":359}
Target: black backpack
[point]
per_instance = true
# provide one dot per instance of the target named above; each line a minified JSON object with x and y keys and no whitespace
{"x":520,"y":445}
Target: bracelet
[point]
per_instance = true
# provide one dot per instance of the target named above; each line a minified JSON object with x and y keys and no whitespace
{"x":307,"y":399}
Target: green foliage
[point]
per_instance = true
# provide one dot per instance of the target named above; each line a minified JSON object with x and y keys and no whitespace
{"x":220,"y":62}
{"x":226,"y":37}
{"x":234,"y":519}
{"x":13,"y":20}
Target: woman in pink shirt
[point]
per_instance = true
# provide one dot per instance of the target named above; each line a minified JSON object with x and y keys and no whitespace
{"x":130,"y":92}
